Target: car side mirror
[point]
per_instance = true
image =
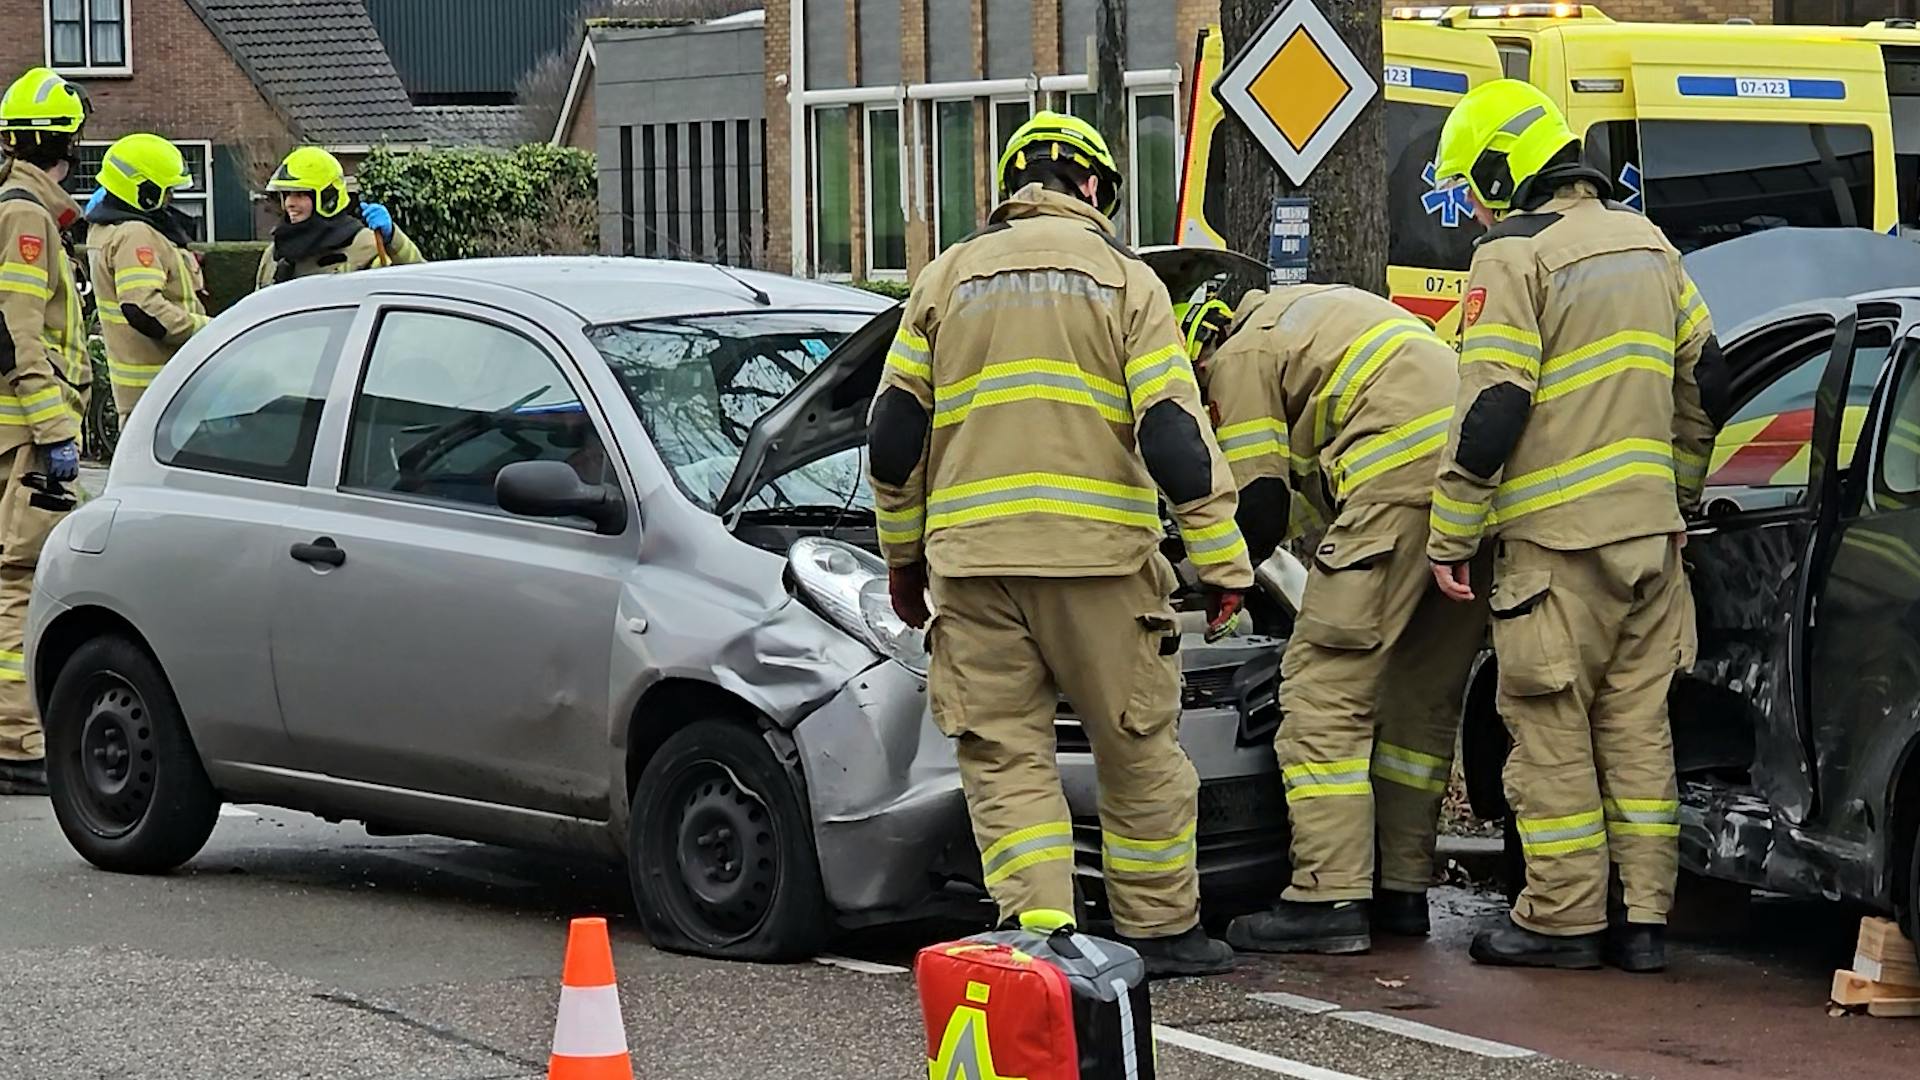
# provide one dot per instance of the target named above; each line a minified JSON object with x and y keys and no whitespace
{"x":549,"y":489}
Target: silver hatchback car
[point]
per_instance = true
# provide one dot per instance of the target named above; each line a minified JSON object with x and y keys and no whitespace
{"x":565,"y":553}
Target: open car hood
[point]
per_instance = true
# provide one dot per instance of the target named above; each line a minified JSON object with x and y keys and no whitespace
{"x":1753,"y":277}
{"x":1185,"y":269}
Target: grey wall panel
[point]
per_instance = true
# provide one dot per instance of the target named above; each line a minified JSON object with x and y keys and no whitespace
{"x":826,"y":44}
{"x":1077,"y":22}
{"x":879,"y":42}
{"x":1150,"y":41}
{"x":1009,"y":38}
{"x":950,"y":40}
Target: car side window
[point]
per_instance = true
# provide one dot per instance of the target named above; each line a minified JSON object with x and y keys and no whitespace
{"x":254,"y":407}
{"x":1899,"y":472}
{"x":448,"y":401}
{"x":1765,"y":448}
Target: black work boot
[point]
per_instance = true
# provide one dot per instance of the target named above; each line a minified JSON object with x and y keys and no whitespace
{"x":1189,"y":953}
{"x":23,"y":777}
{"x":1514,"y":945}
{"x":1402,"y":914}
{"x":1637,"y":947}
{"x":1295,"y":927}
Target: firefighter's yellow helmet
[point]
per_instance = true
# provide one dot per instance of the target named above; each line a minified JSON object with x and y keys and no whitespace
{"x":1062,"y":137}
{"x":141,"y":168}
{"x":42,"y":101}
{"x":1203,"y":323}
{"x":314,"y":170}
{"x":1497,"y":137}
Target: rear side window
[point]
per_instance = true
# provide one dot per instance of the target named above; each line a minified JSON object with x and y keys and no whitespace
{"x":252,"y":409}
{"x":1427,"y":229}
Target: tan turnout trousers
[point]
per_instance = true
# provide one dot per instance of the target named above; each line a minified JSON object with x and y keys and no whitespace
{"x":1370,"y":691}
{"x":1003,"y":649}
{"x":1588,"y":642}
{"x":23,"y":530}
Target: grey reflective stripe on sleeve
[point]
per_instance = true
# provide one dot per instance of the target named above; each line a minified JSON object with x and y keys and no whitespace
{"x":1145,"y":375}
{"x":23,"y":278}
{"x":1522,"y":122}
{"x":1492,"y":337}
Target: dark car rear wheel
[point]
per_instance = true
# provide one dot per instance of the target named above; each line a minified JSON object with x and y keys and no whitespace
{"x":720,"y":850}
{"x":127,"y":784}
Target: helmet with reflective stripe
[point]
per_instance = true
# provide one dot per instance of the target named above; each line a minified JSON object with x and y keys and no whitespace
{"x":141,"y":168}
{"x":1059,"y":137}
{"x":41,"y":100}
{"x":1203,"y":323}
{"x":314,"y":170}
{"x":1497,"y":137}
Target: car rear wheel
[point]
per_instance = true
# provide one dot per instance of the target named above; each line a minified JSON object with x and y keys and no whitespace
{"x":720,"y":850}
{"x":127,"y":784}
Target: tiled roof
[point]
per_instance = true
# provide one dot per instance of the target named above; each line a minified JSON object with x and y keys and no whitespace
{"x":472,"y":125}
{"x":321,"y":63}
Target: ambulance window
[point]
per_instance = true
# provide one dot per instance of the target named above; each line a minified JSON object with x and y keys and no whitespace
{"x":1426,"y":229}
{"x":1705,"y":181}
{"x":1516,"y":59}
{"x":1906,"y":156}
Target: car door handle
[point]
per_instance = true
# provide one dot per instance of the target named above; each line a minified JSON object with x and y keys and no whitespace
{"x":322,"y":551}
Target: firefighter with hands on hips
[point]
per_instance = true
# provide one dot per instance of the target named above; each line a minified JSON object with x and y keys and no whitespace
{"x":47,"y":374}
{"x":1036,"y":403}
{"x":1591,"y":388}
{"x":147,"y":285}
{"x":1338,"y":394}
{"x":328,"y":230}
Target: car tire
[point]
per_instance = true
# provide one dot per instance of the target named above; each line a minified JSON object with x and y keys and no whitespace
{"x":720,"y":850}
{"x":127,"y":785}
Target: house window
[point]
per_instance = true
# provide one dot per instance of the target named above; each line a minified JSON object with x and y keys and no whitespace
{"x":87,"y":35}
{"x":954,"y":176}
{"x":1008,"y":115}
{"x":195,"y":200}
{"x":832,"y":207}
{"x":1156,"y":171}
{"x":886,"y":220}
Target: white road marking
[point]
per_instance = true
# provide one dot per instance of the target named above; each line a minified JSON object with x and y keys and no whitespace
{"x":864,"y":967}
{"x":1240,"y":1055}
{"x":1310,"y":1006}
{"x":229,"y":810}
{"x":1413,"y":1029}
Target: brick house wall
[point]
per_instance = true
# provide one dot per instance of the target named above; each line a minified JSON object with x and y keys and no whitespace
{"x":780,"y":147}
{"x":1688,"y":11}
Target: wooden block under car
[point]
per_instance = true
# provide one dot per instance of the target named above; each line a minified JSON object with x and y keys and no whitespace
{"x":1884,"y":955}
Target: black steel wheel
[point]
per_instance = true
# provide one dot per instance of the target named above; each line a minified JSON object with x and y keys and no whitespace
{"x":127,"y":784}
{"x":720,"y":850}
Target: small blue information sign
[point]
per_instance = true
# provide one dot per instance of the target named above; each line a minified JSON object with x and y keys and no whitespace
{"x":1289,"y":243}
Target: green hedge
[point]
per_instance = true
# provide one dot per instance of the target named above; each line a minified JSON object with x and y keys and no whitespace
{"x":896,"y":289}
{"x":457,"y":204}
{"x":230,"y":269}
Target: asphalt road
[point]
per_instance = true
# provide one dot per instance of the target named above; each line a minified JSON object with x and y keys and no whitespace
{"x":293,"y":948}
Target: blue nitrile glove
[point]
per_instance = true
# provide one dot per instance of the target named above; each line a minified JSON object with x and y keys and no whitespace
{"x":63,"y":460}
{"x":377,"y":219}
{"x":93,"y":201}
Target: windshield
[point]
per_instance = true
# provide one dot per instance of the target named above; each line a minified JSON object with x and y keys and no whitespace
{"x":699,"y":383}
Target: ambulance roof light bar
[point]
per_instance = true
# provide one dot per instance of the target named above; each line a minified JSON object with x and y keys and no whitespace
{"x":1524,"y":11}
{"x":1424,"y":14}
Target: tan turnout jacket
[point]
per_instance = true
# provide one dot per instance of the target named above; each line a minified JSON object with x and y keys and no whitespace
{"x":146,"y":289}
{"x":44,"y":370}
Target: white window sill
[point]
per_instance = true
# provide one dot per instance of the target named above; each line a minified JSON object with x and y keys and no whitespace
{"x":97,"y":73}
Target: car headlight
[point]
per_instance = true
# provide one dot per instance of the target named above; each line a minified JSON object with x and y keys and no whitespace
{"x":848,"y":586}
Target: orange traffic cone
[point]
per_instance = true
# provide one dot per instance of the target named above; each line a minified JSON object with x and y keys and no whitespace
{"x":589,"y":1039}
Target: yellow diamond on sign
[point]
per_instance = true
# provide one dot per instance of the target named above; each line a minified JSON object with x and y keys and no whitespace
{"x":1297,"y":87}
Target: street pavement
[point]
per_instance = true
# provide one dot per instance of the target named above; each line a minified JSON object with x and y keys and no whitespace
{"x":295,"y":948}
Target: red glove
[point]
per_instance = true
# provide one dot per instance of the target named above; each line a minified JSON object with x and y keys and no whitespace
{"x":1223,"y":612}
{"x":907,"y":587}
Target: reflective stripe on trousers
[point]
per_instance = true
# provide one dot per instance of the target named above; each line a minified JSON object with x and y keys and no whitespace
{"x":1031,"y":846}
{"x":1126,"y":855}
{"x":1643,"y":817}
{"x":1320,"y":779}
{"x":1562,"y":835}
{"x":1411,"y":768}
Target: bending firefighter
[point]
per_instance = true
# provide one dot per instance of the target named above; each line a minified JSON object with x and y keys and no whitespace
{"x":1340,"y":393}
{"x":147,"y":285}
{"x":43,"y":358}
{"x":1036,"y":403}
{"x":328,"y":230}
{"x":1591,"y":387}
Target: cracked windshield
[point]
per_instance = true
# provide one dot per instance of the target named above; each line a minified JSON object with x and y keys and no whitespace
{"x":700,"y":383}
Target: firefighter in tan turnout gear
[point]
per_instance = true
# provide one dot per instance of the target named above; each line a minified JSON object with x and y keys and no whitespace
{"x":1343,"y":395}
{"x":1591,"y":388}
{"x":1036,"y":396}
{"x":43,"y":358}
{"x":146,"y":283}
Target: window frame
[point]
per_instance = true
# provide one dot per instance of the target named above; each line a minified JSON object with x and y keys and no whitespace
{"x":1903,"y":356}
{"x":813,"y":218}
{"x":867,"y":144}
{"x":560,"y":357}
{"x":202,"y":195}
{"x":994,"y":134}
{"x":939,"y":170}
{"x":87,"y":22}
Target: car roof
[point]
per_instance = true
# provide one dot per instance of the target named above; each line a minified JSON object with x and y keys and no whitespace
{"x":602,"y":289}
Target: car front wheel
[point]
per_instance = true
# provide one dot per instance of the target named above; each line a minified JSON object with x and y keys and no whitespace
{"x":127,"y":784}
{"x":720,"y":850}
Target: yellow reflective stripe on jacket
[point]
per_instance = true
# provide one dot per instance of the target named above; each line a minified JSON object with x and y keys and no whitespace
{"x":1643,"y":817}
{"x":25,"y":278}
{"x":1453,"y":517}
{"x":1149,"y":374}
{"x":33,"y":408}
{"x":910,"y":354}
{"x":136,"y":276}
{"x":1127,"y":855}
{"x":121,"y":373}
{"x":1030,"y":380}
{"x":1411,"y":768}
{"x":109,"y":314}
{"x":1250,"y":439}
{"x":1562,"y":835}
{"x":1419,"y":438}
{"x":1496,"y":343}
{"x":1026,"y":847}
{"x":1596,"y":470}
{"x":1628,"y":350}
{"x":1042,"y":493}
{"x":1213,"y":544}
{"x":1693,"y":310}
{"x":1356,"y":367}
{"x":901,"y":526}
{"x":13,"y":666}
{"x":1320,"y":779}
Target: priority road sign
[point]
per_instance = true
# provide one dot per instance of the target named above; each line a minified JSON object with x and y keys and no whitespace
{"x":1297,"y":87}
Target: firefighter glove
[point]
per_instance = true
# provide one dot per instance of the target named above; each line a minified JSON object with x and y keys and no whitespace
{"x":907,"y":587}
{"x":378,"y":220}
{"x":63,"y":460}
{"x":1223,"y":612}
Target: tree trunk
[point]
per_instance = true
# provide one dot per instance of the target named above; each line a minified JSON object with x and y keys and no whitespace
{"x":1109,"y":81}
{"x":1348,"y":191}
